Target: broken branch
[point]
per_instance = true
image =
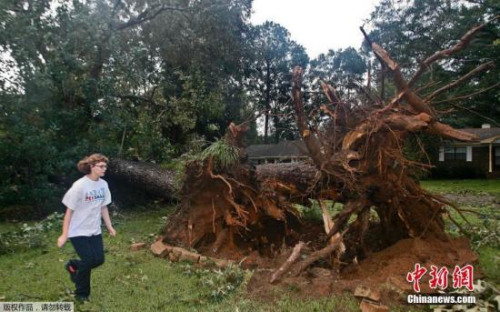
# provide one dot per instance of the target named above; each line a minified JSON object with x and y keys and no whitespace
{"x":461,"y":80}
{"x":319,"y":254}
{"x":309,"y":138}
{"x":285,"y":267}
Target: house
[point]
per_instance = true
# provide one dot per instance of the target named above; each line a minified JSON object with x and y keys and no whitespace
{"x":468,"y":160}
{"x":286,"y":151}
{"x":479,"y":159}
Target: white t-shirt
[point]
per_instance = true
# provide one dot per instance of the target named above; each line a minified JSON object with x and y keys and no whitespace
{"x":86,"y":198}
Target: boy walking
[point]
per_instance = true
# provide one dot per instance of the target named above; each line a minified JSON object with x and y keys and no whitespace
{"x":86,"y":204}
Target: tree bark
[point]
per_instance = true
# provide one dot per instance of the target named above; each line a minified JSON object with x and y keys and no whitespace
{"x":154,"y":180}
{"x":148,"y":177}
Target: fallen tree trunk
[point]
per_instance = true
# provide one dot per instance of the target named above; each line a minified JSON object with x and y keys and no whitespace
{"x":301,"y":175}
{"x":157,"y":181}
{"x":148,"y":177}
{"x":229,"y":207}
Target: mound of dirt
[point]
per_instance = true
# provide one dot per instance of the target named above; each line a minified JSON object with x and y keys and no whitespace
{"x":392,"y":264}
{"x":383,"y":272}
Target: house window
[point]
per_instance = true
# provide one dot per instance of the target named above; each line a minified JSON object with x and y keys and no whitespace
{"x":455,"y":153}
{"x":497,"y":156}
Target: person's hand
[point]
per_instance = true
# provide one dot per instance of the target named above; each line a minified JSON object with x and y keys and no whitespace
{"x":62,"y":240}
{"x":112,"y":231}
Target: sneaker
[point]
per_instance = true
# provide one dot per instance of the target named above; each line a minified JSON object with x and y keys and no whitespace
{"x":81,"y":299}
{"x":72,"y":269}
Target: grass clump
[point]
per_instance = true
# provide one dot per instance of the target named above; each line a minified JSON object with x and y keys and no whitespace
{"x":224,"y":155}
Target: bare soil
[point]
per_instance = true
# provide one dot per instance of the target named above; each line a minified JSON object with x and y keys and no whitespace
{"x":384,"y":271}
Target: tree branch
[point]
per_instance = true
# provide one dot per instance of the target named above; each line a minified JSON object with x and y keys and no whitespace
{"x":461,"y":80}
{"x":413,"y":99}
{"x":309,"y":138}
{"x":136,"y":98}
{"x":371,"y":43}
{"x":468,"y":96}
{"x":476,"y":113}
{"x":330,"y":93}
{"x":382,"y":64}
{"x":319,"y":254}
{"x":464,"y":41}
{"x":147,"y":15}
{"x":448,"y":132}
{"x":285,"y":267}
{"x":417,"y":103}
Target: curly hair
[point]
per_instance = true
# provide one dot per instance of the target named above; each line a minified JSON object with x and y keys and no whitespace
{"x":87,"y":162}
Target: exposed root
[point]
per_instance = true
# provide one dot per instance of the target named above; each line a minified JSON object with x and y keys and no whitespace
{"x":285,"y":267}
{"x":358,"y":160}
{"x":317,"y":255}
{"x":180,"y":254}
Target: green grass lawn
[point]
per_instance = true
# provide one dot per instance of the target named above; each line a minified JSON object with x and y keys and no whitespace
{"x":138,"y":281}
{"x":463,"y":186}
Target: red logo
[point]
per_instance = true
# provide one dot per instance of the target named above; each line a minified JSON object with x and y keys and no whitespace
{"x":415,"y":276}
{"x":462,"y":277}
{"x":438,"y":278}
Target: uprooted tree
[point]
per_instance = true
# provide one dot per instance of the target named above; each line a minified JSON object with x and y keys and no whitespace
{"x":229,"y":208}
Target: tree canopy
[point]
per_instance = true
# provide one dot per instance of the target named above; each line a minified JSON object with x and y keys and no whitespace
{"x":152,"y":80}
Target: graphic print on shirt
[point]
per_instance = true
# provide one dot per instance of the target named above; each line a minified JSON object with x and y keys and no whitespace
{"x":95,"y":195}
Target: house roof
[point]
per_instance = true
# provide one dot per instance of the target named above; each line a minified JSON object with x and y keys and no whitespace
{"x":298,"y":149}
{"x":484,"y":134}
{"x":282,"y":149}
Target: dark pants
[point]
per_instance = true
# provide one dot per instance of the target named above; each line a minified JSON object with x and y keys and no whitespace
{"x":91,"y":253}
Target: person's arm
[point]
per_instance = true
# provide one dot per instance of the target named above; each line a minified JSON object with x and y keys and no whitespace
{"x":65,"y":228}
{"x":107,"y":220}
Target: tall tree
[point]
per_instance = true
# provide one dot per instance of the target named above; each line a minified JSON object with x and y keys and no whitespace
{"x":136,"y":78}
{"x":269,"y":73}
{"x":343,"y":69}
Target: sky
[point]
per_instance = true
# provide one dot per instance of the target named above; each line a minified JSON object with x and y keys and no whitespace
{"x":318,"y":25}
